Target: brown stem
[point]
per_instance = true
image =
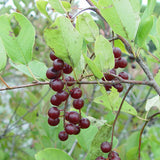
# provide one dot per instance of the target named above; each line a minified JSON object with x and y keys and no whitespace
{"x":140,"y":137}
{"x":119,"y":112}
{"x":148,"y":83}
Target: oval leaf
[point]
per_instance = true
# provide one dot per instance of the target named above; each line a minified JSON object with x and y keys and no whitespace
{"x":87,"y":27}
{"x":121,"y":17}
{"x":3,"y":59}
{"x":19,"y":47}
{"x":143,"y":31}
{"x":65,"y":40}
{"x":51,"y":154}
{"x":104,"y":54}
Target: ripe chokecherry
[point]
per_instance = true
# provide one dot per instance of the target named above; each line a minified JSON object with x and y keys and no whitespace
{"x":119,"y":87}
{"x":67,"y":69}
{"x":73,"y":117}
{"x":63,"y":136}
{"x":70,"y":128}
{"x":123,"y":75}
{"x":58,"y":64}
{"x":108,"y":76}
{"x":117,"y":52}
{"x":62,"y":95}
{"x":57,"y":85}
{"x":52,"y":56}
{"x":113,"y":154}
{"x":53,"y":122}
{"x":55,"y":101}
{"x":69,"y":79}
{"x":77,"y":130}
{"x":108,"y":87}
{"x":122,"y":62}
{"x":76,"y":93}
{"x":106,"y":147}
{"x":52,"y":73}
{"x":54,"y":112}
{"x":100,"y":158}
{"x":78,"y":103}
{"x":84,"y":123}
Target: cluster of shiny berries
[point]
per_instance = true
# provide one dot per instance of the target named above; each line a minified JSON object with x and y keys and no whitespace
{"x":61,"y":85}
{"x":120,"y":62}
{"x":106,"y":148}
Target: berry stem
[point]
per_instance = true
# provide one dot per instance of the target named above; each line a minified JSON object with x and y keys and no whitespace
{"x":5,"y":83}
{"x":120,"y":107}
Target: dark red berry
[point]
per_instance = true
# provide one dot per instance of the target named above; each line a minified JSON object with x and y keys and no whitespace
{"x":57,"y":85}
{"x":108,"y":87}
{"x":119,"y":87}
{"x":122,"y":62}
{"x":69,"y":79}
{"x":106,"y":147}
{"x":77,"y":130}
{"x":84,"y":123}
{"x":78,"y":103}
{"x":63,"y":136}
{"x":52,"y":73}
{"x":117,"y":52}
{"x":116,"y":63}
{"x":53,"y":122}
{"x":73,"y":117}
{"x":70,"y":128}
{"x":123,"y":75}
{"x":115,"y":158}
{"x":131,"y":58}
{"x":100,"y":158}
{"x":55,"y":101}
{"x":58,"y":64}
{"x":133,"y":66}
{"x":108,"y":76}
{"x":67,"y":69}
{"x":52,"y":56}
{"x":66,"y":116}
{"x":113,"y":154}
{"x":54,"y":112}
{"x":76,"y":93}
{"x":62,"y":95}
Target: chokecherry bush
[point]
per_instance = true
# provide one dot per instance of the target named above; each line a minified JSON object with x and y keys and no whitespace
{"x":86,"y":81}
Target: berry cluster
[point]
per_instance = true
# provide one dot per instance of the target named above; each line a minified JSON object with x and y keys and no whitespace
{"x":106,"y":148}
{"x":120,"y":62}
{"x":61,"y":86}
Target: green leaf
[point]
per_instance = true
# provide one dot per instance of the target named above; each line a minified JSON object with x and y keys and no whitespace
{"x":66,"y":5}
{"x":3,"y":59}
{"x":149,"y":9}
{"x":87,"y":27}
{"x":104,"y":54}
{"x":121,"y":17}
{"x":86,"y":136}
{"x":95,"y":70}
{"x":158,"y":25}
{"x":51,"y":154}
{"x":103,"y":133}
{"x":153,"y":102}
{"x":37,"y":68}
{"x":57,"y":6}
{"x":143,"y":31}
{"x":41,"y":5}
{"x":19,"y":48}
{"x":135,"y":5}
{"x":65,"y":40}
{"x":107,"y":101}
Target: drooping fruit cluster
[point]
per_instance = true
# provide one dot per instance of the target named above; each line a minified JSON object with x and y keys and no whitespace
{"x":106,"y":148}
{"x":74,"y":120}
{"x":120,"y":62}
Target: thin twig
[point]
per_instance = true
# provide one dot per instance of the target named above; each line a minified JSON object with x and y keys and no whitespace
{"x":4,"y":82}
{"x":119,"y":112}
{"x":140,"y":137}
{"x":148,"y":83}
